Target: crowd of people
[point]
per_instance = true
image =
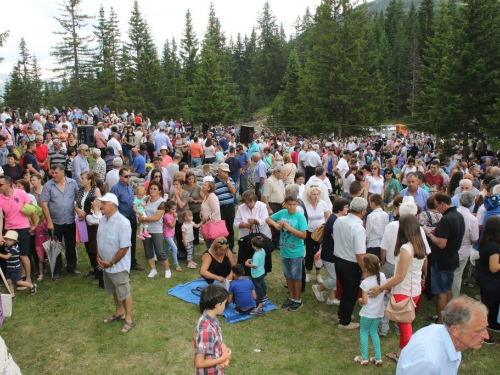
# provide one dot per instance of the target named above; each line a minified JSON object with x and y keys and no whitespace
{"x":387,"y":217}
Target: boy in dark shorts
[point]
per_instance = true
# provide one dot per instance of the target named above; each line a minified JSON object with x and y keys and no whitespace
{"x":13,"y":264}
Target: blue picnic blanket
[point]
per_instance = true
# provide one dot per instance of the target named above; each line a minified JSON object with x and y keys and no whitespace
{"x":190,"y":292}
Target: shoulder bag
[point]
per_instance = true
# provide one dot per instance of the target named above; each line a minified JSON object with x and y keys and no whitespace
{"x":211,"y":230}
{"x":403,"y":311}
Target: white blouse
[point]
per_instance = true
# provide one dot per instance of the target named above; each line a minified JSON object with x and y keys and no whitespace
{"x":259,"y":212}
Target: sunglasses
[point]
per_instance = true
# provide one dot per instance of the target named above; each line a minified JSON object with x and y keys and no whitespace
{"x":127,"y":176}
{"x":223,"y":242}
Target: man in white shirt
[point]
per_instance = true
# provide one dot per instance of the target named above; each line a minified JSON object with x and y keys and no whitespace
{"x":37,"y":125}
{"x":470,"y":237}
{"x":376,"y":222}
{"x":7,"y":113}
{"x":437,"y":349}
{"x":349,"y":248}
{"x":113,"y":176}
{"x":311,"y":161}
{"x":302,"y":154}
{"x":352,"y":146}
{"x":64,"y":121}
{"x":114,"y":142}
{"x":342,"y":166}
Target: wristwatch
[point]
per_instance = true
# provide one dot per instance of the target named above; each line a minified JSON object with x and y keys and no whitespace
{"x":112,"y":264}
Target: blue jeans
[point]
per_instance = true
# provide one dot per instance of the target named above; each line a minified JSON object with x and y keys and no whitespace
{"x":292,"y":268}
{"x":171,"y":245}
{"x":195,"y":162}
{"x":243,"y":183}
{"x":128,"y":153}
{"x":237,"y":196}
{"x":260,"y":288}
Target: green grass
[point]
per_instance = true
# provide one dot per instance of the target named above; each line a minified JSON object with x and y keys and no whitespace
{"x":60,"y":330}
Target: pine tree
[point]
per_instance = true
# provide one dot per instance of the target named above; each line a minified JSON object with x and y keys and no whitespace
{"x":426,"y":22}
{"x":271,"y":57}
{"x":189,"y":50}
{"x":209,"y":101}
{"x":145,"y":65}
{"x":73,"y":53}
{"x":24,"y":87}
{"x":3,"y":39}
{"x":284,"y":113}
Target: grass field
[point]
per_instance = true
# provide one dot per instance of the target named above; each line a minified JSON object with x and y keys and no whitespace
{"x":60,"y":331}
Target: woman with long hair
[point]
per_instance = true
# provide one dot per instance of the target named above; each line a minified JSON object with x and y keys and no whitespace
{"x":290,"y":169}
{"x":411,"y":265}
{"x":392,"y":187}
{"x":209,"y":151}
{"x":454,"y":183}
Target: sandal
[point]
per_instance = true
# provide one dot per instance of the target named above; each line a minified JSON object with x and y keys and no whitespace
{"x":392,"y":356}
{"x":378,"y":362}
{"x":127,"y":326}
{"x":114,"y":318}
{"x":39,"y":278}
{"x":363,"y":362}
{"x":33,"y":290}
{"x":178,"y":268}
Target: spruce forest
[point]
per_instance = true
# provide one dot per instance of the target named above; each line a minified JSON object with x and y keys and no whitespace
{"x":345,"y":68}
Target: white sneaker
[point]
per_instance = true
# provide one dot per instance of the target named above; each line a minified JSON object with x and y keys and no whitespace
{"x":308,"y":277}
{"x":318,"y":294}
{"x":168,"y":274}
{"x":335,"y":301}
{"x":152,"y":273}
{"x":319,"y":279}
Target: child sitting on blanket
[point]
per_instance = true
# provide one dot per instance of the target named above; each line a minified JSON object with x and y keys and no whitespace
{"x":211,"y":354}
{"x":242,"y":293}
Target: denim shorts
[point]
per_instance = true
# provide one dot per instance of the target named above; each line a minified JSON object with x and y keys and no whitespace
{"x":441,"y":281}
{"x":292,"y":268}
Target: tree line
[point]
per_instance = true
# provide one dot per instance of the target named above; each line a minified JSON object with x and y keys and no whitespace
{"x":344,"y":68}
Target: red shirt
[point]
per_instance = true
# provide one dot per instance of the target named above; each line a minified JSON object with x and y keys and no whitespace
{"x":433,"y":180}
{"x":295,"y":157}
{"x":41,"y":154}
{"x":138,"y":120}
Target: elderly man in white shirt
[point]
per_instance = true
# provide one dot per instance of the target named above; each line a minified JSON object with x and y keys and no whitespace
{"x":470,"y":237}
{"x":342,"y":166}
{"x":387,"y":253}
{"x":437,"y":349}
{"x":349,"y":249}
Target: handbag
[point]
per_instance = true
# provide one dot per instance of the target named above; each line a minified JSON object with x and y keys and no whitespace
{"x":6,"y":299}
{"x":211,"y":230}
{"x":246,"y":251}
{"x":318,"y":233}
{"x":403,"y":311}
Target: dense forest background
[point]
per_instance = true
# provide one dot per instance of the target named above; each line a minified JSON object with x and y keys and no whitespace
{"x":346,"y":67}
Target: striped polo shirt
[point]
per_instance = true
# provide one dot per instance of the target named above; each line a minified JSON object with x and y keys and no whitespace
{"x":222,"y":191}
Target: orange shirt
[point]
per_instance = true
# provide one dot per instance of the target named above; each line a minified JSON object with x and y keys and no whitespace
{"x":195,"y":150}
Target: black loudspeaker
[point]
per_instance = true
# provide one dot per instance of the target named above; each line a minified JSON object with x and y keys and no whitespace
{"x":86,"y":135}
{"x":246,"y":134}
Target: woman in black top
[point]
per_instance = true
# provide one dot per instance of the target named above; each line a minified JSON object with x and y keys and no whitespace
{"x":488,"y":271}
{"x":12,"y":168}
{"x":217,"y":262}
{"x":129,"y":143}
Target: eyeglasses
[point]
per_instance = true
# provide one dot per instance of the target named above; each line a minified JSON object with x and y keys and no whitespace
{"x":374,"y":169}
{"x":223,"y":242}
{"x":433,"y":191}
{"x":85,"y":149}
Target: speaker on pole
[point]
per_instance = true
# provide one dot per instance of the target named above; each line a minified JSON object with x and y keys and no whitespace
{"x":86,"y":135}
{"x":246,"y":134}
